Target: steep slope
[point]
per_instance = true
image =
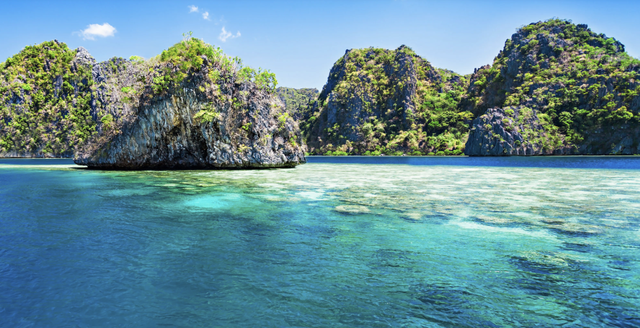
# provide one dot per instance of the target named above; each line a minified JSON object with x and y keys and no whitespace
{"x":45,"y":101}
{"x":191,"y":107}
{"x":581,"y":89}
{"x":298,"y":102}
{"x":379,"y":101}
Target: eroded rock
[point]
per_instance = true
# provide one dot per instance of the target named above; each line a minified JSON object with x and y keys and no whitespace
{"x":513,"y":131}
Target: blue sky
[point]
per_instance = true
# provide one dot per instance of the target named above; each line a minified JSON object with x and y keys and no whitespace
{"x":300,"y":40}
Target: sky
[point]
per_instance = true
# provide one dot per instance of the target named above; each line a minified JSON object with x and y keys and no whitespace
{"x":300,"y":40}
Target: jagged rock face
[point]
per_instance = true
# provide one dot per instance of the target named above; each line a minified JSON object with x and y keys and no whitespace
{"x":45,"y":101}
{"x":520,"y":131}
{"x":347,"y":107}
{"x":116,"y":93}
{"x":298,"y":102}
{"x":83,"y":57}
{"x":619,"y":140}
{"x":384,"y":101}
{"x":165,"y":135}
{"x":191,"y":107}
{"x":546,"y":49}
{"x":165,"y":116}
{"x":584,"y":83}
{"x":512,"y":131}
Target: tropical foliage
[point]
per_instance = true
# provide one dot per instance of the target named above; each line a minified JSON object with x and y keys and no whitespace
{"x":44,"y":101}
{"x":393,"y":102}
{"x":582,"y":82}
{"x":50,"y":103}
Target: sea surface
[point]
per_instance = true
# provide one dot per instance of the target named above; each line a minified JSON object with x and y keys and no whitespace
{"x":337,"y":242}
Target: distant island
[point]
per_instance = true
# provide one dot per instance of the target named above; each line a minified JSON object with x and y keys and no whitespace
{"x":555,"y":88}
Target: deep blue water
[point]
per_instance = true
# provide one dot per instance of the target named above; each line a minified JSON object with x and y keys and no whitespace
{"x":36,"y":161}
{"x":423,"y":242}
{"x":601,"y":162}
{"x":585,"y":162}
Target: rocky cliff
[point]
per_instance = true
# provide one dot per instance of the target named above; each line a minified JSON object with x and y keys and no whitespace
{"x":583,"y":84}
{"x":514,"y":131}
{"x":190,"y":108}
{"x":45,"y":101}
{"x":555,"y":88}
{"x":379,"y":101}
{"x":298,"y":102}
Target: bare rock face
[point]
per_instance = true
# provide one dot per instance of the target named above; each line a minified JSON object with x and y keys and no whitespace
{"x":165,"y":134}
{"x":83,"y":57}
{"x":161,"y":115}
{"x":513,"y":131}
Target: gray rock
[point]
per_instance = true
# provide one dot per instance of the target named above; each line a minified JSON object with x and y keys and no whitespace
{"x":512,"y":131}
{"x":83,"y":57}
{"x":160,"y":131}
{"x":343,"y":114}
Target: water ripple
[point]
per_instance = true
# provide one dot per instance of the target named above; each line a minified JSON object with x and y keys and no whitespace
{"x":340,"y":245}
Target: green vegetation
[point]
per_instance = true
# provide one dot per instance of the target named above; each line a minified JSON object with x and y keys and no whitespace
{"x":50,"y":104}
{"x":44,"y":101}
{"x":298,"y":102}
{"x":136,"y":59}
{"x":582,"y":86}
{"x":580,"y":81}
{"x":391,"y":102}
{"x":193,"y":55}
{"x":208,"y":114}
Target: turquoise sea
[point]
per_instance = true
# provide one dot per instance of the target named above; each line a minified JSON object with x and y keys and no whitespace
{"x":337,"y":242}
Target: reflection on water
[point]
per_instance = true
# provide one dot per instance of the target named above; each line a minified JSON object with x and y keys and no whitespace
{"x":323,"y":244}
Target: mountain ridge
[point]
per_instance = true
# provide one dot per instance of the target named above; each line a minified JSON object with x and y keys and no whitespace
{"x":189,"y":107}
{"x":555,"y":88}
{"x":577,"y":87}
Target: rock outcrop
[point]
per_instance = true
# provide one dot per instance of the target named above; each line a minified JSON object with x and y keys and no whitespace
{"x":584,"y":83}
{"x":166,"y":134}
{"x":190,"y":108}
{"x":208,"y":114}
{"x":571,"y":91}
{"x":45,"y":96}
{"x":513,"y":131}
{"x":379,"y":101}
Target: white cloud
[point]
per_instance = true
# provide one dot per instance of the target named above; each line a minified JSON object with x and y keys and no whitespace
{"x":94,"y":30}
{"x":224,"y":35}
{"x":193,"y":9}
{"x":205,"y":15}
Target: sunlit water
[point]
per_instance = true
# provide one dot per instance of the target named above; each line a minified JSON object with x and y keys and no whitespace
{"x":458,"y":242}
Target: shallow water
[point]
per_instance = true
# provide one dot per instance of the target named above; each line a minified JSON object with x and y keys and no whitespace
{"x":455,"y":243}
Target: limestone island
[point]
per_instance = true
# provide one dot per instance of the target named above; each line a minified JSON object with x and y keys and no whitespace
{"x":556,"y":88}
{"x":191,"y":107}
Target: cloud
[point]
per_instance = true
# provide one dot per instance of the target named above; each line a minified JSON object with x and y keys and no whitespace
{"x":195,"y":9}
{"x":94,"y":30}
{"x":224,"y":35}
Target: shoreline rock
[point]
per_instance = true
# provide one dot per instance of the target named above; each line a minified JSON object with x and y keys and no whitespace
{"x":165,"y":135}
{"x":514,"y":131}
{"x":212,"y":115}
